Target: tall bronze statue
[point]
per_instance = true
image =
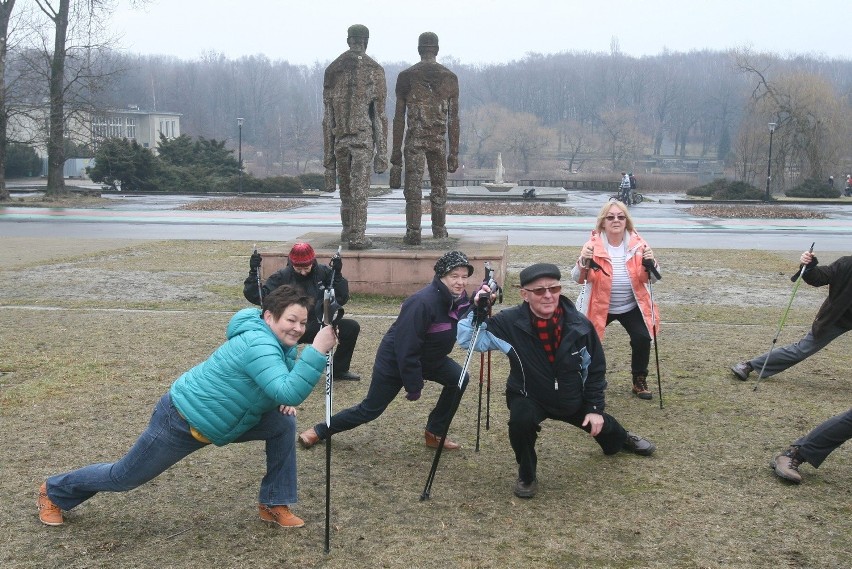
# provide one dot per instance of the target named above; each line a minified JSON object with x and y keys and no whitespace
{"x":427,"y":112}
{"x":355,"y":131}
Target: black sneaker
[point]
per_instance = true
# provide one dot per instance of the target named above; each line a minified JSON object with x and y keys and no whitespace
{"x":347,"y":376}
{"x":524,"y":490}
{"x":639,"y":445}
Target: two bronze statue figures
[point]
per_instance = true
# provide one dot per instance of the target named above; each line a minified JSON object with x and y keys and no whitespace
{"x":355,"y":129}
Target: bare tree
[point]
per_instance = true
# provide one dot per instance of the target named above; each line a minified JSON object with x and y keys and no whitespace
{"x":6,"y":7}
{"x":620,"y":137}
{"x":77,"y":39}
{"x":810,"y":115}
{"x":575,"y":139}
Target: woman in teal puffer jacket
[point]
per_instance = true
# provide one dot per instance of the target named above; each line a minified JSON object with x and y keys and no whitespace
{"x":244,"y":391}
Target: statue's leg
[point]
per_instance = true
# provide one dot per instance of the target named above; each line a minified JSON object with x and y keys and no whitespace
{"x":362,"y":162}
{"x":413,"y":193}
{"x":343,"y":158}
{"x":437,"y":161}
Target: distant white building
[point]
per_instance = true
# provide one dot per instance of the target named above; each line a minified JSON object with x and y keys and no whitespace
{"x":132,"y":123}
{"x":91,"y":128}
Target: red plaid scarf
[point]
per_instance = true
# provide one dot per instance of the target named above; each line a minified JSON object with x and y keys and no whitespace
{"x":549,"y":331}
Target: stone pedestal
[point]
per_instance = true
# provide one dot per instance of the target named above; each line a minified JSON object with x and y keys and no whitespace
{"x":392,"y":268}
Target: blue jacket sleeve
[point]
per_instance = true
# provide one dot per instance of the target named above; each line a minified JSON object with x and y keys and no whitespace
{"x":485,"y":341}
{"x":284,"y":385}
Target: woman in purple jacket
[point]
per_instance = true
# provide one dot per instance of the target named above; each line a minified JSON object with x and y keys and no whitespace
{"x":415,"y":348}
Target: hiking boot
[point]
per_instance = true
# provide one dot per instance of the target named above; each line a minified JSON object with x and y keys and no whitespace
{"x":741,"y":370}
{"x":639,"y":445}
{"x":49,"y":513}
{"x":640,"y":387}
{"x":786,"y":465}
{"x":309,"y":438}
{"x":280,"y":515}
{"x":433,"y":440}
{"x":347,"y":376}
{"x":524,"y":490}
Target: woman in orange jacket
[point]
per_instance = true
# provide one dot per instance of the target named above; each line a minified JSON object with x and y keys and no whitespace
{"x":614,"y":269}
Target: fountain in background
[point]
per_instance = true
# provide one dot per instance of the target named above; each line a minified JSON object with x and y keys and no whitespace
{"x":498,"y":185}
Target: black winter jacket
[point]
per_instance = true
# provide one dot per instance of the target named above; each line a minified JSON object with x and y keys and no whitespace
{"x":423,"y":333}
{"x":576,"y":381}
{"x":837,"y":308}
{"x":312,"y":284}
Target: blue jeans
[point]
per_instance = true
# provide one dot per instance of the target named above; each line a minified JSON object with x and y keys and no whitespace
{"x":165,"y":442}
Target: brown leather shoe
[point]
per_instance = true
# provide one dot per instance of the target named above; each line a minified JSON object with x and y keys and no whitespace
{"x":433,"y":440}
{"x":309,"y":438}
{"x":49,"y":513}
{"x":280,"y":515}
{"x":786,"y":465}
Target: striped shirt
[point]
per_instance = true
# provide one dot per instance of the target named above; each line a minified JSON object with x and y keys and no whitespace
{"x":621,"y":298}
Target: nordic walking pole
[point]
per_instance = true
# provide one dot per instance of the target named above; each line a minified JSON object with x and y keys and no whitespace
{"x":479,"y":315}
{"x":479,"y":405}
{"x":491,"y":283}
{"x":329,"y":318}
{"x":259,"y":286}
{"x":488,"y":390}
{"x":649,"y":266}
{"x":798,"y":280}
{"x":489,"y":280}
{"x":457,"y":400}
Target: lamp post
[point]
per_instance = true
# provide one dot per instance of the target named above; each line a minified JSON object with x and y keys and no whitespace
{"x":772,"y":126}
{"x":240,"y":175}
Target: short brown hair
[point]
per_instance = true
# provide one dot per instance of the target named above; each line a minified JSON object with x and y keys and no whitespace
{"x":277,"y":301}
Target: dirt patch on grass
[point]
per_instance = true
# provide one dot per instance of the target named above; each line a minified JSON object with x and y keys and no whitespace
{"x":750,"y":211}
{"x":244,"y":204}
{"x":79,"y":376}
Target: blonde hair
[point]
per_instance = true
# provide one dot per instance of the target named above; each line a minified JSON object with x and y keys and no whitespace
{"x":628,"y":223}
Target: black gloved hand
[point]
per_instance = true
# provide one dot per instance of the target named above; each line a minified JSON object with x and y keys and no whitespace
{"x":651,"y":267}
{"x":336,"y":264}
{"x":413,"y":395}
{"x":255,"y":260}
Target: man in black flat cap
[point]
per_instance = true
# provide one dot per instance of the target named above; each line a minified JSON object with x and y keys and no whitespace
{"x":557,"y":371}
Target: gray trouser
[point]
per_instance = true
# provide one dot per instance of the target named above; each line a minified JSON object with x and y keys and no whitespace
{"x":825,"y":437}
{"x":788,"y":356}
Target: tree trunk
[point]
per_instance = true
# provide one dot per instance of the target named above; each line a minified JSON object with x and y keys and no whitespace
{"x":5,"y":12}
{"x":56,"y":137}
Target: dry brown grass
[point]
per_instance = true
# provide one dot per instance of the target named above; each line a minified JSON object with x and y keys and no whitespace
{"x":80,"y":375}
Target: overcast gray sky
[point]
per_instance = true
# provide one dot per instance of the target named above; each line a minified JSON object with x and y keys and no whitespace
{"x":483,"y":31}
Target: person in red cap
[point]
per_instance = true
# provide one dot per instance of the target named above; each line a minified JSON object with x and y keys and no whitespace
{"x":416,"y":348}
{"x":303,"y":271}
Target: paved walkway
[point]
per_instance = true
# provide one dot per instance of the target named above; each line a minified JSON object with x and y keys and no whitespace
{"x":663,"y":222}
